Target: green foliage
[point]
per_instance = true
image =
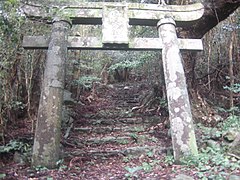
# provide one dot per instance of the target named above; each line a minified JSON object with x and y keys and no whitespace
{"x":134,"y":136}
{"x":146,"y":167}
{"x":87,"y":81}
{"x":143,"y":31}
{"x":40,"y":168}
{"x":232,"y":121}
{"x":17,"y":105}
{"x":125,"y":64}
{"x":2,"y":176}
{"x":138,"y":129}
{"x":148,"y":57}
{"x":210,"y":161}
{"x":20,"y":70}
{"x":131,"y":172}
{"x":150,"y":154}
{"x":169,"y":160}
{"x":122,"y":141}
{"x":11,"y":22}
{"x":214,"y":158}
{"x":235,"y":88}
{"x":15,"y":145}
{"x":128,"y":158}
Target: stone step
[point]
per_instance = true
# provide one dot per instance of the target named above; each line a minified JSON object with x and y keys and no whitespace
{"x":118,"y":121}
{"x":126,"y":151}
{"x":126,"y":95}
{"x":116,"y":139}
{"x":126,"y":103}
{"x":111,"y":112}
{"x":110,"y":129}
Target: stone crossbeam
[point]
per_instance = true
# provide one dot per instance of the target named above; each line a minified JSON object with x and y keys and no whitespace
{"x":138,"y":13}
{"x":94,"y":43}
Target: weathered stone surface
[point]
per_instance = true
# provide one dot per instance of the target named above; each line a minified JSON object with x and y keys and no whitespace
{"x":109,"y":129}
{"x":115,"y":25}
{"x":133,"y":151}
{"x":67,"y":99}
{"x":139,"y":14}
{"x":182,"y":130}
{"x":46,"y":148}
{"x":230,"y":135}
{"x":235,"y":146}
{"x":74,"y":42}
{"x":213,"y":144}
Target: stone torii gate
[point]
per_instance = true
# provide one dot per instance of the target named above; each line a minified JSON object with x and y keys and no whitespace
{"x":115,"y":19}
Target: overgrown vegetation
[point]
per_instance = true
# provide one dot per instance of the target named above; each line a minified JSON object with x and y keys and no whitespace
{"x":11,"y":23}
{"x":214,"y":160}
{"x":20,"y":70}
{"x":215,"y":85}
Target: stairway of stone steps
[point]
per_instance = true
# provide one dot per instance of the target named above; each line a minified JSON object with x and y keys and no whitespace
{"x":126,"y":95}
{"x":112,"y":129}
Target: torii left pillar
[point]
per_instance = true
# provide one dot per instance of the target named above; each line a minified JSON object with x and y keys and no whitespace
{"x":46,"y":148}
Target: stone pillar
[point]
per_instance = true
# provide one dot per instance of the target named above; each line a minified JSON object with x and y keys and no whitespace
{"x":182,"y":130}
{"x":46,"y":148}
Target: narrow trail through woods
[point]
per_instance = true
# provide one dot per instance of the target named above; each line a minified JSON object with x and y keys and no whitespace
{"x":107,"y":136}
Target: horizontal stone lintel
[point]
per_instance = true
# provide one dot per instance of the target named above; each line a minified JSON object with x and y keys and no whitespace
{"x":94,"y":43}
{"x":138,"y":13}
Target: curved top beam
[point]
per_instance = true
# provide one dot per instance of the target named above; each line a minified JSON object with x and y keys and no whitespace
{"x":138,"y":13}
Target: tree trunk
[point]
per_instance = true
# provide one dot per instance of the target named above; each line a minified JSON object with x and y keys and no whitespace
{"x":215,"y":11}
{"x":46,"y":148}
{"x":231,"y":74}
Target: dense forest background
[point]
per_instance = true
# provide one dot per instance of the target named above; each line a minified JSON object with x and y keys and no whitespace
{"x":213,"y":76}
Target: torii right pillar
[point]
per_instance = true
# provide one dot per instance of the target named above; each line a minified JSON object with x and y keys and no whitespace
{"x":182,"y":130}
